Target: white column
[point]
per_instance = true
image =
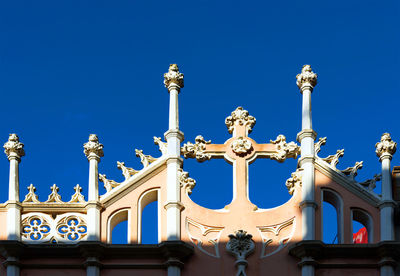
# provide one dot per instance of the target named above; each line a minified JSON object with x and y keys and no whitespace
{"x":173,"y":81}
{"x":93,"y":151}
{"x":14,"y":150}
{"x":385,"y":150}
{"x":306,"y":82}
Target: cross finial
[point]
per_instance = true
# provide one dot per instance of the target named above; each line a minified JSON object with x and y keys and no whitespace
{"x":307,"y":78}
{"x":240,"y":117}
{"x":173,"y":78}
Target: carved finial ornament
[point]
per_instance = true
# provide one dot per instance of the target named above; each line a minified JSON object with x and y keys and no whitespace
{"x":241,"y":146}
{"x":240,"y":245}
{"x":284,"y":149}
{"x":93,"y":149}
{"x":13,"y":147}
{"x":386,"y":147}
{"x":77,"y":197}
{"x":240,"y":117}
{"x":54,"y":197}
{"x":173,"y":78}
{"x":31,"y":196}
{"x":295,"y":181}
{"x":196,"y":150}
{"x":186,"y":182}
{"x":307,"y":78}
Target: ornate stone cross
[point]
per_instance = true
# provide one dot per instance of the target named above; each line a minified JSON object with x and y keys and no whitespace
{"x":240,"y":151}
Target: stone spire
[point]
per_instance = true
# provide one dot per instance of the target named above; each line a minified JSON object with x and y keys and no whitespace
{"x":13,"y":147}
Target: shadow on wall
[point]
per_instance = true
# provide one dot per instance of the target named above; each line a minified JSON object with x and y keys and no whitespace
{"x":239,"y":253}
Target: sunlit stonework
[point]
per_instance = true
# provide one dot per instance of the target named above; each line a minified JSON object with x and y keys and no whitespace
{"x":306,"y":78}
{"x":173,"y":77}
{"x":31,"y":197}
{"x":294,"y":181}
{"x":13,"y":147}
{"x":93,"y":147}
{"x":386,"y":146}
{"x":240,"y":117}
{"x":284,"y":150}
{"x":241,"y":146}
{"x":196,"y":150}
{"x":186,"y":182}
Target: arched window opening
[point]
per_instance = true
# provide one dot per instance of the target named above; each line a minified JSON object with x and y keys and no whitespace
{"x":118,"y":227}
{"x":120,"y":233}
{"x":149,"y":218}
{"x":362,"y":228}
{"x":329,"y":224}
{"x":270,"y":176}
{"x":332,"y":217}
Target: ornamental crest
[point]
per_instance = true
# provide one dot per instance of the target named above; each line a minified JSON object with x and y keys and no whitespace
{"x":240,"y":117}
{"x":241,"y":146}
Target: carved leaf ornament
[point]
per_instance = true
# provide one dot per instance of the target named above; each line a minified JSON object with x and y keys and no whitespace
{"x":240,"y":245}
{"x":196,"y":150}
{"x":240,"y":117}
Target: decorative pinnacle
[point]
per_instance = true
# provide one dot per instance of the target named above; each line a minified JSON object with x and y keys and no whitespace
{"x":173,"y":77}
{"x":13,"y":147}
{"x":307,"y":78}
{"x":386,"y":147}
{"x":93,"y":148}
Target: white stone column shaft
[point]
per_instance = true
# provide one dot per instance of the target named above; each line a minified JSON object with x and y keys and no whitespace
{"x":173,"y":108}
{"x":14,"y":150}
{"x":93,"y":151}
{"x":306,"y":121}
{"x":173,"y":81}
{"x":306,"y":82}
{"x":385,"y":150}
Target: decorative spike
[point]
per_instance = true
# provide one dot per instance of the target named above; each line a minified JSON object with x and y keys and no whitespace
{"x":352,"y":171}
{"x":185,"y":181}
{"x":317,"y":146}
{"x":108,"y":183}
{"x":126,"y":172}
{"x":77,"y":197}
{"x":162,"y":145}
{"x":145,"y":159}
{"x":370,"y":184}
{"x":54,"y":197}
{"x":334,"y":159}
{"x":31,"y":197}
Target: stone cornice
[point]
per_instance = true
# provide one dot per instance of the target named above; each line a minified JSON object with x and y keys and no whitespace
{"x":318,"y":250}
{"x":347,"y":183}
{"x":164,"y":251}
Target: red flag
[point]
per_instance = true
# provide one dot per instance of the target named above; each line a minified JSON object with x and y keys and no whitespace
{"x":361,"y":236}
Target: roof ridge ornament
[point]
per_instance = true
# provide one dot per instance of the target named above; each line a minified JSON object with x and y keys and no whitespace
{"x":77,"y":197}
{"x":241,"y":117}
{"x":307,"y":79}
{"x":54,"y":197}
{"x":31,"y":196}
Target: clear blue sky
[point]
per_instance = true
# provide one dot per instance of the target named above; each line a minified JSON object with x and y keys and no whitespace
{"x":68,"y":69}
